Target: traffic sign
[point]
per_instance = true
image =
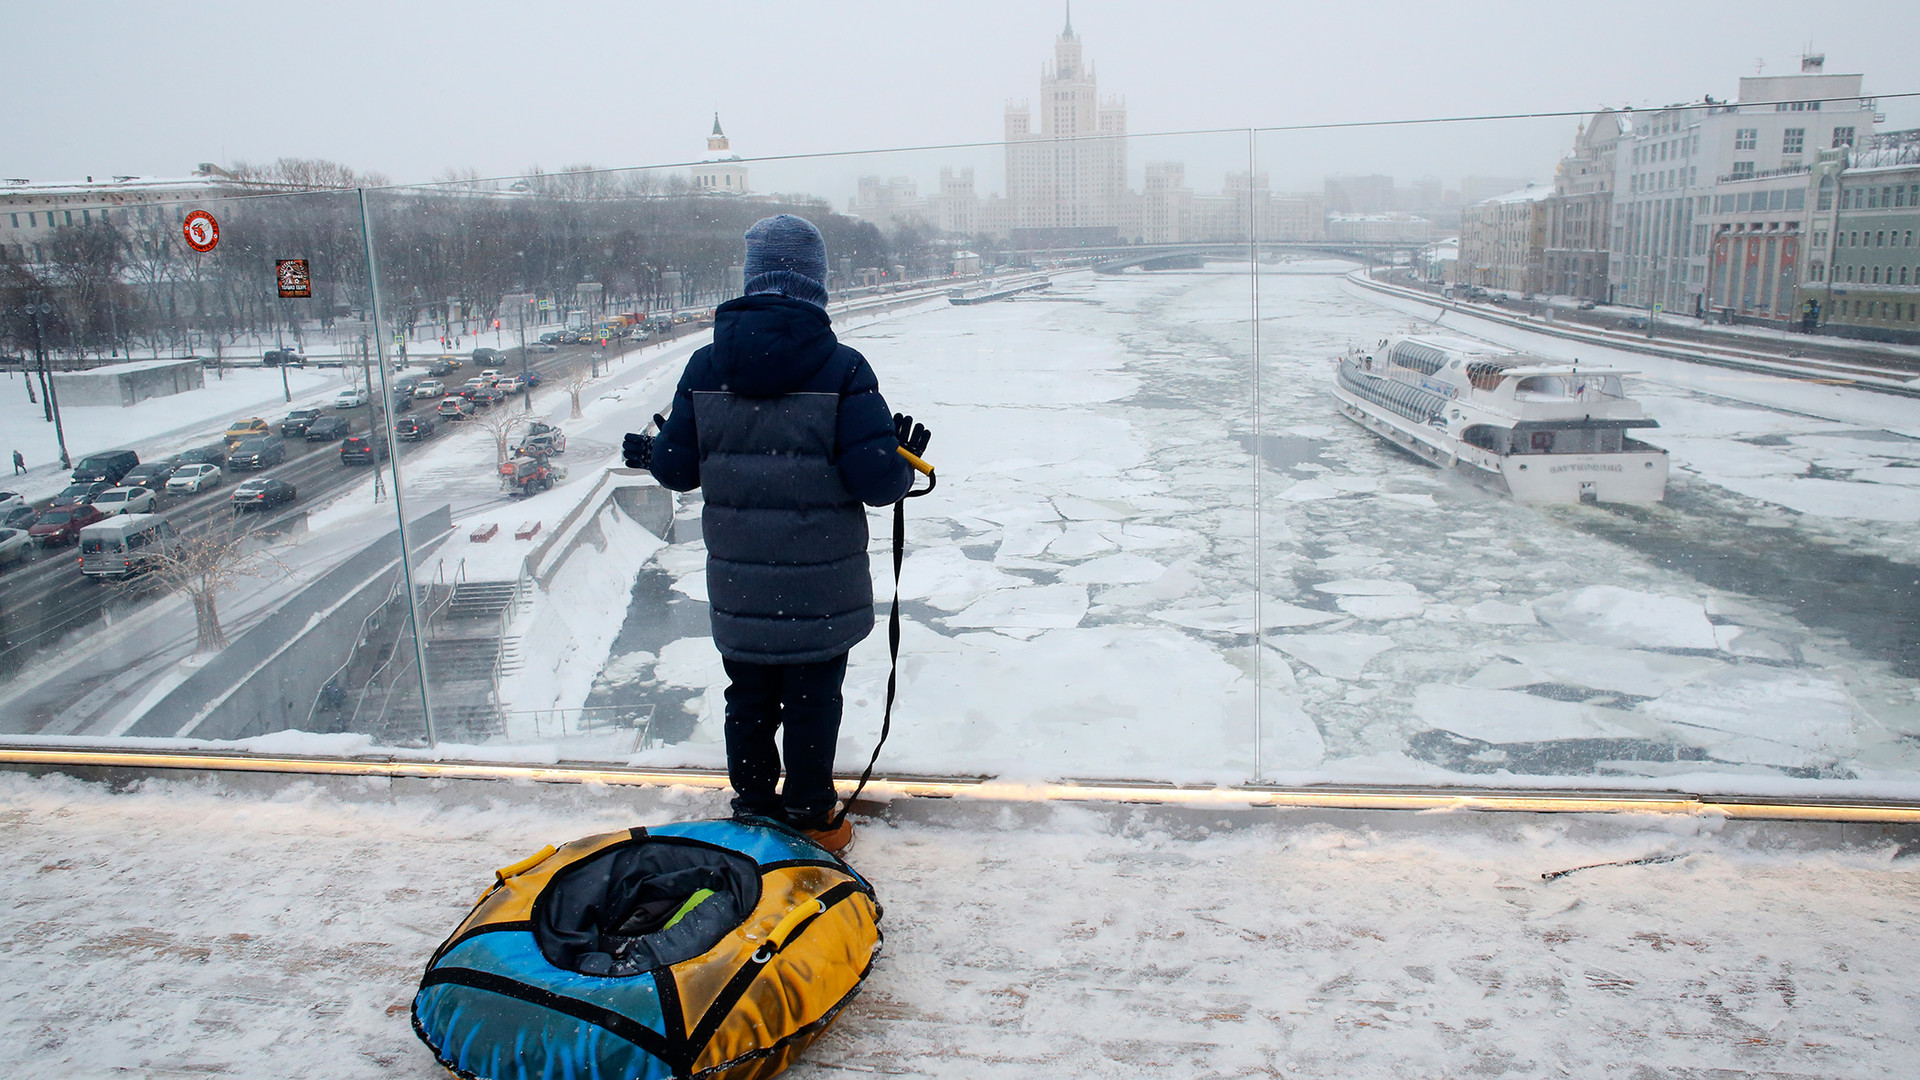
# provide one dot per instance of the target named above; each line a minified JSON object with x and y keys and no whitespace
{"x":202,"y":231}
{"x":295,"y":282}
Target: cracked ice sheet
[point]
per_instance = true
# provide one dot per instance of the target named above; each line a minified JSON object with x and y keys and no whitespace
{"x":1784,"y":718}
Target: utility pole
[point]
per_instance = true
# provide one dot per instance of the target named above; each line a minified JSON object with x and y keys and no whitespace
{"x":280,"y":346}
{"x":526,"y":392}
{"x":41,"y":308}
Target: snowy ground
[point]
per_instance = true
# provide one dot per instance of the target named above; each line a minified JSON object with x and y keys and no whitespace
{"x":1082,"y":590}
{"x":279,"y":930}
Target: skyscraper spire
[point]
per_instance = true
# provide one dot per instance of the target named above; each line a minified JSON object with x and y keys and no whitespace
{"x":716,"y":125}
{"x":1068,"y":32}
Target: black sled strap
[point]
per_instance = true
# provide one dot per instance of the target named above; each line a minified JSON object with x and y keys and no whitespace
{"x":893,"y":645}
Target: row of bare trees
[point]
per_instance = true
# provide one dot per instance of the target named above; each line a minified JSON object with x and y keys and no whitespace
{"x":445,"y":252}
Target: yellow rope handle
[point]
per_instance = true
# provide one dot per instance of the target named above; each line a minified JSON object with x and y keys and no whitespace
{"x":501,"y":875}
{"x":778,"y":939}
{"x":914,"y":460}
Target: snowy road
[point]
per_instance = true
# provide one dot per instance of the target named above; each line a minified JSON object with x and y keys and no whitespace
{"x":1083,"y":590}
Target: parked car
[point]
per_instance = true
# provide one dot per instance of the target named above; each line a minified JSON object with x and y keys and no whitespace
{"x":262,"y":493}
{"x":1588,"y":305}
{"x":193,"y":479}
{"x":110,"y":466}
{"x":15,"y":546}
{"x":151,"y":475}
{"x":257,"y":453}
{"x":287,"y":357}
{"x":126,"y":500}
{"x":245,"y":429}
{"x":329,"y":428}
{"x":349,"y":399}
{"x":443,"y":367}
{"x":455,"y":408}
{"x":296,"y":422}
{"x":544,"y":440}
{"x":57,"y":528}
{"x":20,"y":517}
{"x":414,"y":428}
{"x":79,"y":494}
{"x":362,"y":450}
{"x":127,"y":545}
{"x":215,"y":454}
{"x":427,"y":389}
{"x":10,"y":500}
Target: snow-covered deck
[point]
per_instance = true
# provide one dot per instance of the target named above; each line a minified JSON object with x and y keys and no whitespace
{"x":273,"y":928}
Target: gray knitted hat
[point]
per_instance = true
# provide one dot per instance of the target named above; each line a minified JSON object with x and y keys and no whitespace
{"x":785,"y":255}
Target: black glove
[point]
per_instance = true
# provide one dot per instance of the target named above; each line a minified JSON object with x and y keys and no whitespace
{"x":637,"y":449}
{"x":911,"y":435}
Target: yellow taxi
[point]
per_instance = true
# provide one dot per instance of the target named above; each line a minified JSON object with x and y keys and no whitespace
{"x":246,"y":429}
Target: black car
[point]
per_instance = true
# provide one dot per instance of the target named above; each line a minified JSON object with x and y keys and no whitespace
{"x":279,"y":357}
{"x":485,"y":357}
{"x":111,"y":465}
{"x":215,"y":455}
{"x":257,"y":452}
{"x":329,"y":428}
{"x":262,"y":493}
{"x":78,"y":494}
{"x":297,"y":421}
{"x":486,"y":397}
{"x":533,"y":378}
{"x":361,"y":450}
{"x":442,"y":367}
{"x":414,"y":428}
{"x":20,"y":517}
{"x":152,"y":475}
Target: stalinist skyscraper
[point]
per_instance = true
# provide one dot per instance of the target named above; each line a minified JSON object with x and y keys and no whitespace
{"x":1067,"y":178}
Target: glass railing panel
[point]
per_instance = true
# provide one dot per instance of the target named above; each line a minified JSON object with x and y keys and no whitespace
{"x":1077,"y":594}
{"x":1490,"y":575}
{"x":195,"y":356}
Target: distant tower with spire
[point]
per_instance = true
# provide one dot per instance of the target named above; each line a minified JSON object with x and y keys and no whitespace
{"x":1068,"y":172}
{"x":721,"y":173}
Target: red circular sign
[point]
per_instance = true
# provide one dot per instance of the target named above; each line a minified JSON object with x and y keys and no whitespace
{"x":202,"y":231}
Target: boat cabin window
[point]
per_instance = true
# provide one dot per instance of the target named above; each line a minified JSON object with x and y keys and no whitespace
{"x":1486,"y":437}
{"x":1541,"y":442}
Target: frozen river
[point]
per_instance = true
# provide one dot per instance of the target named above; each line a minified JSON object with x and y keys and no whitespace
{"x":1110,"y":582}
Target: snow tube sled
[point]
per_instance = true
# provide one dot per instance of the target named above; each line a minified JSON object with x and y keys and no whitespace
{"x":697,"y":949}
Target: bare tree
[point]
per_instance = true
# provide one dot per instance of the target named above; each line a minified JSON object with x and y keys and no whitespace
{"x":501,"y":424}
{"x":205,"y":562}
{"x":575,"y":382}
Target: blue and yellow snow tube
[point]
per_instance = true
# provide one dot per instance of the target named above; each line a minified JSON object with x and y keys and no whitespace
{"x":698,"y":949}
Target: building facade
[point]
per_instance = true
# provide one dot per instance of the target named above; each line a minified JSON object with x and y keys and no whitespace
{"x":1669,"y":166}
{"x":1067,"y":173}
{"x":1579,"y":209}
{"x":32,"y":216}
{"x":1503,"y":241}
{"x":1863,"y":263}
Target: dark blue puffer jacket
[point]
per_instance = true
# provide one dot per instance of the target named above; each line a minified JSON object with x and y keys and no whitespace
{"x":785,"y":429}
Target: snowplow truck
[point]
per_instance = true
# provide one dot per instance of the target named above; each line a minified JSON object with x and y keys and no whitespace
{"x":525,"y":474}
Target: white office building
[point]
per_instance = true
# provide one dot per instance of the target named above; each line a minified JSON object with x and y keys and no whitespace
{"x":1672,"y":163}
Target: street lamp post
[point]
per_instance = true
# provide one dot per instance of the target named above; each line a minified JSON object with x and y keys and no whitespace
{"x":526,"y":392}
{"x":41,"y":309}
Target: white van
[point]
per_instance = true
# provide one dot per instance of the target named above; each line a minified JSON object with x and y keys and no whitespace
{"x":125,"y":545}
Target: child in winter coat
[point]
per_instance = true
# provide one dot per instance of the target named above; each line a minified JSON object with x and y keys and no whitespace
{"x":785,"y":430}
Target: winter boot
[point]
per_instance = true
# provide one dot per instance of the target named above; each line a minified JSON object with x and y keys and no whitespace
{"x":835,"y":840}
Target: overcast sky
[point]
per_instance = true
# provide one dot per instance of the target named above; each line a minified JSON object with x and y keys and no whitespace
{"x":416,"y":88}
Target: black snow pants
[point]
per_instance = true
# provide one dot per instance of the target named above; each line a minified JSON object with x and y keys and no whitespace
{"x":802,"y":701}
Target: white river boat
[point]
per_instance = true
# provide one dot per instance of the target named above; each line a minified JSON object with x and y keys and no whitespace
{"x":1539,"y":430}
